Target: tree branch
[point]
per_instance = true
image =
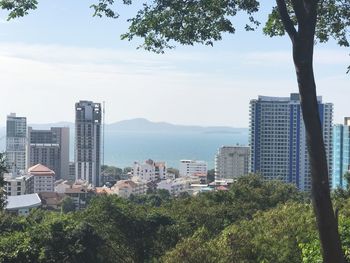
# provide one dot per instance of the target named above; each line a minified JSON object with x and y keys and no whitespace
{"x":286,"y":20}
{"x":299,"y":9}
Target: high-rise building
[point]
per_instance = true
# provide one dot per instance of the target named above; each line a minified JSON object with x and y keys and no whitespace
{"x":278,"y":139}
{"x":71,"y":176}
{"x":193,"y":168}
{"x":16,"y":139}
{"x":341,"y":153}
{"x":88,"y":142}
{"x":50,"y":148}
{"x":232,"y":161}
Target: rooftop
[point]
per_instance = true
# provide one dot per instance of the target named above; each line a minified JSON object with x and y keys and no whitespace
{"x":23,"y":201}
{"x":293,"y":97}
{"x":40,"y":169}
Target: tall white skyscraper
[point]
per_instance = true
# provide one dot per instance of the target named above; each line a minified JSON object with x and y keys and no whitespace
{"x":88,"y":142}
{"x":278,"y":139}
{"x":232,"y":161}
{"x":16,"y":139}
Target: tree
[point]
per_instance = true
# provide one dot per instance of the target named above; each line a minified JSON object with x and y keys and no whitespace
{"x":275,"y":235}
{"x":68,"y":205}
{"x":111,"y":174}
{"x":2,"y":182}
{"x":211,"y":175}
{"x":161,"y":23}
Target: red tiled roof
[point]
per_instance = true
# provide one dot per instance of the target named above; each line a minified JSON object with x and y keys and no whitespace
{"x":103,"y":190}
{"x":40,"y":169}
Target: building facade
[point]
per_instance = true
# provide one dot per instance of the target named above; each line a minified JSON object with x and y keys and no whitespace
{"x":71,"y":176}
{"x":176,"y":186}
{"x":149,"y":170}
{"x":40,"y":179}
{"x":232,"y":161}
{"x":341,"y":153}
{"x":192,"y":168}
{"x":278,"y":139}
{"x":14,"y":185}
{"x":16,"y":140}
{"x":125,"y":188}
{"x":88,"y":142}
{"x":50,"y":148}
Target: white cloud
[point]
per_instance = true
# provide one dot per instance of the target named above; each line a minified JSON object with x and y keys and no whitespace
{"x":44,"y":81}
{"x":321,"y":56}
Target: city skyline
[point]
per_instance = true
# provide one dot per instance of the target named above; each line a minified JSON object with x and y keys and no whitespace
{"x":72,"y":57}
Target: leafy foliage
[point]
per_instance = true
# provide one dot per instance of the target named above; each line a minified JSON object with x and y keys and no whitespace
{"x":18,"y":8}
{"x":2,"y":182}
{"x":112,"y":229}
{"x":187,"y":22}
{"x":255,"y":221}
{"x":271,"y":236}
{"x":68,"y":205}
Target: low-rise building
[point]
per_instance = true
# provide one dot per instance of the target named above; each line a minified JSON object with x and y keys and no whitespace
{"x":200,"y":188}
{"x":14,"y":185}
{"x":40,"y":179}
{"x":51,"y":200}
{"x":80,"y":192}
{"x":22,"y":204}
{"x":149,"y":170}
{"x":202,"y":177}
{"x":125,"y":188}
{"x":192,"y":167}
{"x":176,"y":186}
{"x":222,"y":182}
{"x":80,"y":196}
{"x":160,"y":169}
{"x":104,"y":190}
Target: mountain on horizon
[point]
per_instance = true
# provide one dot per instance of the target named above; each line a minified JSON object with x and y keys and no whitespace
{"x":137,"y":125}
{"x":142,"y":125}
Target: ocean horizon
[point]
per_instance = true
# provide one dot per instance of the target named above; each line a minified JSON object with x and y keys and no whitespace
{"x":139,"y":139}
{"x":123,"y":148}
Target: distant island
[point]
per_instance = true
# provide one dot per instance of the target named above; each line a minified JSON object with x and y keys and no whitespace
{"x":139,"y":139}
{"x":143,"y":125}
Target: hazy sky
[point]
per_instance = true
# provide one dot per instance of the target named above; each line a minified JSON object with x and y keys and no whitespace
{"x":59,"y":54}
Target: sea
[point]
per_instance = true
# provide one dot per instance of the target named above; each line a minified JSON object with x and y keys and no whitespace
{"x":123,"y":148}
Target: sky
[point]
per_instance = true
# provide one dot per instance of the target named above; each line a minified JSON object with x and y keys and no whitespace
{"x":59,"y":54}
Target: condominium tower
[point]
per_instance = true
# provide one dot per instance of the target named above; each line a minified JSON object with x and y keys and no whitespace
{"x":51,"y":149}
{"x":278,"y":139}
{"x":88,"y":142}
{"x":341,"y":153}
{"x":232,"y":161}
{"x":16,"y":139}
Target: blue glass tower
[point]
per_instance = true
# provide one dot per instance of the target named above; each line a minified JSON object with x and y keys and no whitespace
{"x":341,"y":153}
{"x":278,"y":139}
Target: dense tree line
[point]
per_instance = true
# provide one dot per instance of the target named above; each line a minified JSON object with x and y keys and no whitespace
{"x":255,"y":221}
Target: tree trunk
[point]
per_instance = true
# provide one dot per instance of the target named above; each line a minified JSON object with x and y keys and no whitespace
{"x":303,"y":46}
